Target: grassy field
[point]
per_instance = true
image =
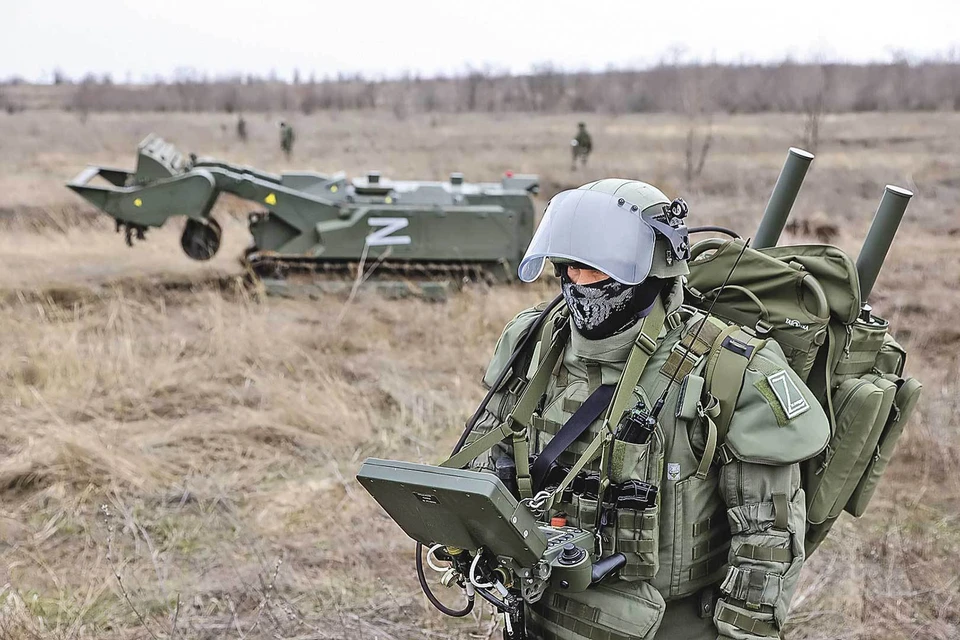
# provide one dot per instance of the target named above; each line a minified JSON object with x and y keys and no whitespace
{"x":177,"y":451}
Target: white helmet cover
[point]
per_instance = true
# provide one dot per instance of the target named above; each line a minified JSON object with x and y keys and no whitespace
{"x":600,"y":230}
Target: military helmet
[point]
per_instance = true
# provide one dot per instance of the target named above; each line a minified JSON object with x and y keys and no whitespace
{"x":627,"y":229}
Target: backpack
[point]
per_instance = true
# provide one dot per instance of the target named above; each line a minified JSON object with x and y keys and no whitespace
{"x":807,"y":298}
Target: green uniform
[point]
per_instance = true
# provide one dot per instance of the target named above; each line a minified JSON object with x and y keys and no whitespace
{"x":286,"y":139}
{"x":721,"y":552}
{"x":242,"y":129}
{"x":581,"y":146}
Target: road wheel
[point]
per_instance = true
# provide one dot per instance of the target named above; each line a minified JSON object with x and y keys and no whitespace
{"x":201,"y":238}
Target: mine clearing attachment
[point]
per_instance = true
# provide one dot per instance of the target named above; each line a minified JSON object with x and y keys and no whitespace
{"x":311,"y":224}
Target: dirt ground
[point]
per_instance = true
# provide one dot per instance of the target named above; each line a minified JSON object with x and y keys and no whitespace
{"x":177,"y":451}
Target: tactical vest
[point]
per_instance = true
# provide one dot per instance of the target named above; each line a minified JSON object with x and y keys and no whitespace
{"x":680,"y":545}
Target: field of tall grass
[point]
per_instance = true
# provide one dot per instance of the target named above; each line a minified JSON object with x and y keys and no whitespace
{"x":178,"y":450}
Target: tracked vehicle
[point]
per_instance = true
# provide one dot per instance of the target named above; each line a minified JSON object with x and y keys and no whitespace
{"x":325,"y":224}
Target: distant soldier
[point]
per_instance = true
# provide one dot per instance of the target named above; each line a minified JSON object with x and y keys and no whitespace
{"x":581,"y":145}
{"x":286,"y":139}
{"x":242,"y":129}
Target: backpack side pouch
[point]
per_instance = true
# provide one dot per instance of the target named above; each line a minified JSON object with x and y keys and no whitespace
{"x":904,"y":404}
{"x":833,"y":475}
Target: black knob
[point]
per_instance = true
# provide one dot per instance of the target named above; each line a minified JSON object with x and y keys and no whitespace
{"x":571,"y":554}
{"x":564,"y":584}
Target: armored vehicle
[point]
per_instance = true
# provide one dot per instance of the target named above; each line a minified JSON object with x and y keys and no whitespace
{"x":327,"y":223}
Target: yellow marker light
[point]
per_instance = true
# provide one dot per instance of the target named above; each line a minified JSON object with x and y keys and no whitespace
{"x":334,"y":189}
{"x":388,"y":199}
{"x":138,"y":202}
{"x":271,"y":199}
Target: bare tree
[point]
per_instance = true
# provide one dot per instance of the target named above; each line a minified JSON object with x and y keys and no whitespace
{"x":694,"y":95}
{"x":470,"y":89}
{"x":813,"y":108}
{"x":547,"y":86}
{"x":676,"y":85}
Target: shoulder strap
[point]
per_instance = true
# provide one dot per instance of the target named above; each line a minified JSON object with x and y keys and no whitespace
{"x":518,"y":421}
{"x":730,"y":355}
{"x":727,"y":348}
{"x":589,"y":411}
{"x":643,"y":348}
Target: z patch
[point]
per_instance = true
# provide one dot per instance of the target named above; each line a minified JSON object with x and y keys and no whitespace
{"x":788,"y":394}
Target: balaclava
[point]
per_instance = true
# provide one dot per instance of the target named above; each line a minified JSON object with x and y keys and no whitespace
{"x":602,"y":309}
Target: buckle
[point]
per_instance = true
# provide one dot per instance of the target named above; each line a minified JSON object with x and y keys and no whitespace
{"x":712,"y":407}
{"x":695,"y":293}
{"x":763,"y":327}
{"x":724,"y":456}
{"x":673,"y":321}
{"x":648,"y":345}
{"x":515,"y":426}
{"x":515,"y":385}
{"x":689,"y":354}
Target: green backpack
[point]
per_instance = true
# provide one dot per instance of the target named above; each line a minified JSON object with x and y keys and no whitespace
{"x":807,"y":298}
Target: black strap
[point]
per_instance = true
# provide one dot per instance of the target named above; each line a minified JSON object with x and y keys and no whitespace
{"x":589,"y":411}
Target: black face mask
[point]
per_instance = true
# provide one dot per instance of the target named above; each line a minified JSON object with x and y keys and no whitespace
{"x":606,"y":308}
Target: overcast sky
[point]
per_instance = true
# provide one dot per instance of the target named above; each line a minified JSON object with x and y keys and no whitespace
{"x":136,"y":40}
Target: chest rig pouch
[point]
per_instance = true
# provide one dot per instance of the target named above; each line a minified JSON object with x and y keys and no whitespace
{"x":608,"y":480}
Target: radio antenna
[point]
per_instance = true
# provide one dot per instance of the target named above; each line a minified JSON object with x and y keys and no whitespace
{"x":658,"y":407}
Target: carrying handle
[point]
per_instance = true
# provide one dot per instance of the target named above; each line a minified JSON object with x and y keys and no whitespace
{"x":764,"y":326}
{"x":823,"y":307}
{"x":808,"y":281}
{"x":710,"y":244}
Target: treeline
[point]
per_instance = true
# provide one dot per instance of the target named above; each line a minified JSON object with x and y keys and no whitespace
{"x":785,"y":87}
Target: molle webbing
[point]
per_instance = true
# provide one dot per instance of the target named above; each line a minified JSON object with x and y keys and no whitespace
{"x":589,"y":411}
{"x":716,"y":521}
{"x":747,"y":623}
{"x":703,"y":569}
{"x":574,"y":616}
{"x":764,"y":554}
{"x":545,"y":426}
{"x":708,"y":546}
{"x":638,"y":536}
{"x":709,"y":555}
{"x":644,"y":346}
{"x":754,"y":587}
{"x":860,"y":352}
{"x":689,"y":352}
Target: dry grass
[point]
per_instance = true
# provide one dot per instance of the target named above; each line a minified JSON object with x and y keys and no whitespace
{"x":177,"y":452}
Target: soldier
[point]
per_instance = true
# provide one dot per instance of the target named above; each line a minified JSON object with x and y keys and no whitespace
{"x":286,"y":139}
{"x":581,"y":145}
{"x":241,"y":129}
{"x":718,"y":553}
